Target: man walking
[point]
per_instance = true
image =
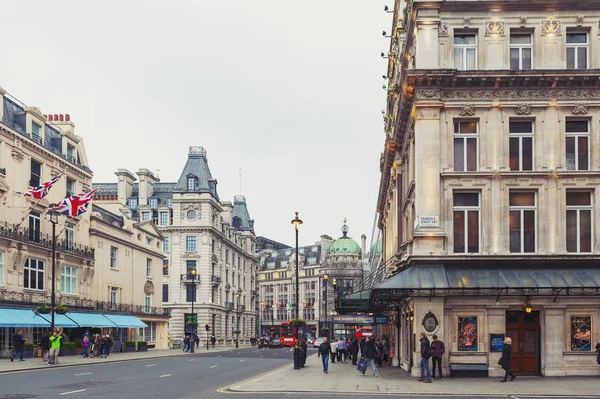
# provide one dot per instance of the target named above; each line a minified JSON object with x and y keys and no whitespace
{"x":324,"y":351}
{"x":369,"y":352}
{"x":437,"y":350}
{"x":425,"y":355}
{"x":19,"y":343}
{"x":354,"y":351}
{"x":55,"y":340}
{"x":45,"y":344}
{"x":303,"y":349}
{"x":213,"y":340}
{"x":341,"y":351}
{"x":334,"y":350}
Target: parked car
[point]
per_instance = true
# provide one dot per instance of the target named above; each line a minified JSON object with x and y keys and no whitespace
{"x":263,"y":343}
{"x":317,"y":342}
{"x":276,"y":343}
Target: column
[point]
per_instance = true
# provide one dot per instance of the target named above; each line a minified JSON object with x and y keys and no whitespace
{"x":496,"y":316}
{"x":427,"y":46}
{"x":553,"y":341}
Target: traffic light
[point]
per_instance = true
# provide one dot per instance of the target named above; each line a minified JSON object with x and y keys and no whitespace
{"x":207,"y":327}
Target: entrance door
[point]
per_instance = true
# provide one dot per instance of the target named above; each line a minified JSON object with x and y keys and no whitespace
{"x":523,"y":329}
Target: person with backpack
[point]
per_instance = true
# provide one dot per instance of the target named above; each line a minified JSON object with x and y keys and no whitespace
{"x":437,"y":350}
{"x":19,"y":344}
{"x":425,"y":355}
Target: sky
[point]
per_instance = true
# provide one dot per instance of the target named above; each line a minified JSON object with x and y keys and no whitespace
{"x":288,"y":92}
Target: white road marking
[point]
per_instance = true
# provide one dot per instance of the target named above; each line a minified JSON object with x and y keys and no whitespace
{"x":68,"y":393}
{"x":165,"y":375}
{"x":212,"y":367}
{"x":514,"y":397}
{"x":239,"y":353}
{"x":219,"y":356}
{"x":242,"y":360}
{"x":191,"y":360}
{"x":262,"y":356}
{"x":77,"y":375}
{"x":150,"y":365}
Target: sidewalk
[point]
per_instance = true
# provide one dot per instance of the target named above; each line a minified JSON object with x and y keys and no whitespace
{"x":344,"y":378}
{"x":6,"y":366}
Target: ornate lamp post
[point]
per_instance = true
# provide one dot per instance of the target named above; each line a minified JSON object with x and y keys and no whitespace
{"x":262,"y":304}
{"x":194,"y":318}
{"x":54,"y":221}
{"x":325,"y":280}
{"x":237,"y":321}
{"x":297,"y":222}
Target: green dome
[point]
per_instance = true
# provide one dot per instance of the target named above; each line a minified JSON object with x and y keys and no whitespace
{"x":377,"y":248}
{"x":344,"y":245}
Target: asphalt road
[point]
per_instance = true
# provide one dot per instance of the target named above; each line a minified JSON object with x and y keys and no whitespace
{"x":170,"y":377}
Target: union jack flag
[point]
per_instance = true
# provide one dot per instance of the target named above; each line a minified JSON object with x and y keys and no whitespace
{"x":74,"y":205}
{"x":42,"y":190}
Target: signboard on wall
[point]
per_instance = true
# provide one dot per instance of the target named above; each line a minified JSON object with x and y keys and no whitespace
{"x":496,"y":342}
{"x":352,"y":319}
{"x":427,"y":221}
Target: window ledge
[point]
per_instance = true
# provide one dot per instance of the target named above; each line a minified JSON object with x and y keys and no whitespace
{"x":584,"y":353}
{"x":114,"y":269}
{"x":467,"y":353}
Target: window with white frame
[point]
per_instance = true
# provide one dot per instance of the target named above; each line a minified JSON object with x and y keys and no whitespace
{"x":465,"y":146}
{"x":522,"y":221}
{"x":69,"y":236}
{"x":577,"y":144}
{"x":191,"y":183}
{"x":113,"y":257}
{"x":166,"y":245}
{"x":114,"y":297}
{"x":466,"y":208}
{"x":33,"y":274}
{"x":521,"y":51}
{"x":147,"y":303}
{"x":153,"y":203}
{"x":133,"y":203}
{"x":35,"y":177}
{"x":164,"y":218}
{"x":579,"y":221}
{"x":148,"y":267}
{"x":520,"y":145}
{"x":146,"y":216}
{"x":35,"y":132}
{"x":70,"y":187}
{"x":577,"y":50}
{"x":148,"y":334}
{"x":465,"y":51}
{"x":68,"y":280}
{"x":35,"y":229}
{"x":1,"y":268}
{"x":190,"y":244}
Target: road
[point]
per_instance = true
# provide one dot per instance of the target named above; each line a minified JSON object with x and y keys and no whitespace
{"x":193,"y":376}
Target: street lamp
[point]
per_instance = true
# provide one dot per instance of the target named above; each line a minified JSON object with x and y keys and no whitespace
{"x":325,"y":279}
{"x":194,"y":318}
{"x":54,"y":221}
{"x":262,"y":304}
{"x":237,"y":315}
{"x":297,"y":222}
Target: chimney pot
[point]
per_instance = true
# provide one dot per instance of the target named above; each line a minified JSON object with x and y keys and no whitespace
{"x":55,"y":117}
{"x":60,"y":117}
{"x":67,"y":117}
{"x":49,"y":117}
{"x":45,"y":116}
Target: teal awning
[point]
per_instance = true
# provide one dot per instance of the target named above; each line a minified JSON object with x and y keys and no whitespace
{"x":21,"y":318}
{"x":126,"y":321}
{"x":91,"y":320}
{"x":59,"y":320}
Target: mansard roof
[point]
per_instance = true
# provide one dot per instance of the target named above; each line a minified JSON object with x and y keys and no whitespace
{"x":197,"y":166}
{"x":241,"y":218}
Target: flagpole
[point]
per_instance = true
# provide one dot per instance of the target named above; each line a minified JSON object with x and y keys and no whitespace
{"x":27,"y":212}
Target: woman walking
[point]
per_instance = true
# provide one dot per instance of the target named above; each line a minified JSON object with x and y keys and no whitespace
{"x":506,"y":358}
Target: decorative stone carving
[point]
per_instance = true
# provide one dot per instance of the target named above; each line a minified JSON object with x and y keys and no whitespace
{"x":428,"y":94}
{"x":579,"y":20}
{"x":551,"y":27}
{"x":523,"y":109}
{"x":148,"y":288}
{"x":467,"y":21}
{"x":428,"y":113}
{"x":443,"y":29}
{"x":204,"y":238}
{"x":523,"y":21}
{"x":17,"y":155}
{"x":580,"y":109}
{"x":494,"y":28}
{"x":467,"y":110}
{"x":520,"y":94}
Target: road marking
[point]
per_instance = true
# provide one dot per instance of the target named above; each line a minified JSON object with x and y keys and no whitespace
{"x":165,"y":375}
{"x":68,"y":393}
{"x":77,"y":375}
{"x":239,"y":353}
{"x":191,"y":360}
{"x":212,"y":367}
{"x":242,"y":360}
{"x":514,"y":397}
{"x":262,"y":356}
{"x":150,"y":365}
{"x":219,"y":356}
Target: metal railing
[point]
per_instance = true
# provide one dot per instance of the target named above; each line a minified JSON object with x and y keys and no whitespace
{"x":229,"y":305}
{"x":190,"y":278}
{"x":36,"y":238}
{"x":216,"y":280}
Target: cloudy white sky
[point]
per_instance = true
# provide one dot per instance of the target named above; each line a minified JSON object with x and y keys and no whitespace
{"x":290,"y":92}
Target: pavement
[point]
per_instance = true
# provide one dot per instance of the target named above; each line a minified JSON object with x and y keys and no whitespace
{"x":344,"y":379}
{"x":6,"y":366}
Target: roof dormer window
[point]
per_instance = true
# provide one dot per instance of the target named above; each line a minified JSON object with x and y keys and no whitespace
{"x":153,"y":203}
{"x":192,"y":182}
{"x":237,"y":223}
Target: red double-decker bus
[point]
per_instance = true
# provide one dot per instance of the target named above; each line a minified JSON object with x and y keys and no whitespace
{"x":288,"y":334}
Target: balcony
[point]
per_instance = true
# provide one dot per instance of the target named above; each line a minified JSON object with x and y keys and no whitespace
{"x":189,"y":278}
{"x":242,"y":308}
{"x":254,"y":292}
{"x":216,"y":280}
{"x":229,"y":305}
{"x":23,"y":234}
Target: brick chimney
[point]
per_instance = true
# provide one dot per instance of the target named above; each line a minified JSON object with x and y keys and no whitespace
{"x":145,"y":186}
{"x":124,"y":185}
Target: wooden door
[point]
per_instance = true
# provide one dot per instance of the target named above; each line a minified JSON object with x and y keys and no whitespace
{"x":523,"y":329}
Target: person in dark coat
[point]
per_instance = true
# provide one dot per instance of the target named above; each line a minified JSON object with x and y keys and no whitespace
{"x":598,"y":350}
{"x":354,"y":351}
{"x":425,"y":355}
{"x":324,"y":352}
{"x":303,"y":349}
{"x":45,"y":344}
{"x":370,"y":353}
{"x":506,"y":358}
{"x":437,"y":350}
{"x":19,"y":343}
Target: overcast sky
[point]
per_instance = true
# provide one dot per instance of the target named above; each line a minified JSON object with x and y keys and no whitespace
{"x":288,"y":91}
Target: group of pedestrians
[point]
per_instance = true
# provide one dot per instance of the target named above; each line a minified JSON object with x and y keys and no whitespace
{"x":368,"y":351}
{"x":96,"y":345}
{"x":430,"y":350}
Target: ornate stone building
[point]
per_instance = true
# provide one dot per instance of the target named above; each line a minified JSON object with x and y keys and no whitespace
{"x":202,"y":234}
{"x":489,"y":193}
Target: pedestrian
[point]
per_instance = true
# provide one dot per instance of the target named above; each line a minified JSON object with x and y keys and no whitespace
{"x":55,"y":341}
{"x":437,"y":350}
{"x":392,"y":350}
{"x":103,"y":346}
{"x":347,"y":349}
{"x":97,"y":345}
{"x":109,"y":344}
{"x":87,"y":334}
{"x":197,"y":340}
{"x":323,"y":353}
{"x":85,"y":345}
{"x":19,"y":344}
{"x":362,"y":346}
{"x":341,"y":351}
{"x":303,"y":353}
{"x":379,"y":352}
{"x":334,"y":350}
{"x":186,"y":343}
{"x":506,"y":359}
{"x":45,"y":344}
{"x":369,"y":353}
{"x":386,"y":349}
{"x":598,"y":350}
{"x":213,"y":341}
{"x":354,"y":351}
{"x":425,"y":355}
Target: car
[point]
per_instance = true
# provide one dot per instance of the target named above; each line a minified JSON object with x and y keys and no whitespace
{"x":276,"y":343}
{"x":317,"y":342}
{"x":263,"y":343}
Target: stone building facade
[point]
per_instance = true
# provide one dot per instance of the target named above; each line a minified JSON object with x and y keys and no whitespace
{"x":495,"y":232}
{"x":201,"y":233}
{"x":34,"y":148}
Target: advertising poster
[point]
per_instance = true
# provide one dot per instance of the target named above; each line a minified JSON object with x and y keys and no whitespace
{"x":467,"y":334}
{"x":581,"y":333}
{"x":496,"y":342}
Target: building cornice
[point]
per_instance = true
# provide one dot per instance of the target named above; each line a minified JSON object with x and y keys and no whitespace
{"x":126,"y":243}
